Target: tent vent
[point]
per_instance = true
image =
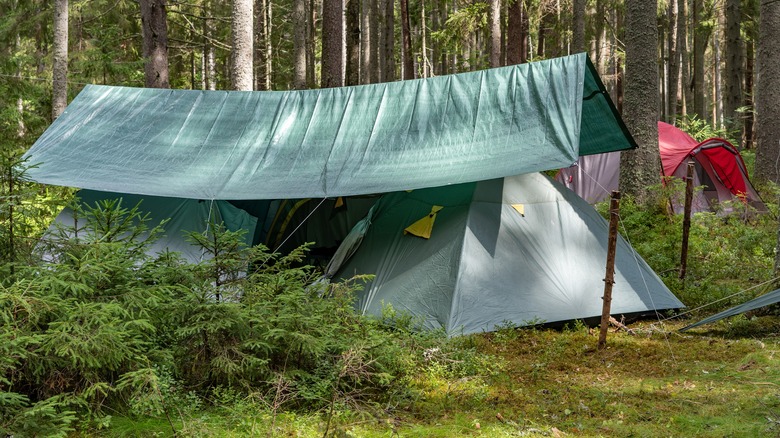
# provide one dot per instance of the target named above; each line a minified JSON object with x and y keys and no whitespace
{"x":423,"y":227}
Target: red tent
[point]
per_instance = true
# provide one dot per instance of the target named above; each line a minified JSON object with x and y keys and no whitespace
{"x":719,"y":168}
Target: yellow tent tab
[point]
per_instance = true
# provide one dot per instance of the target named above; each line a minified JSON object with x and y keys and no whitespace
{"x":520,"y":209}
{"x":339,"y":202}
{"x":423,"y":227}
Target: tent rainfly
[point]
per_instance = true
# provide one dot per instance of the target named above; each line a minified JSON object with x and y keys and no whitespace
{"x":289,"y":164}
{"x":520,"y":249}
{"x":719,"y":169}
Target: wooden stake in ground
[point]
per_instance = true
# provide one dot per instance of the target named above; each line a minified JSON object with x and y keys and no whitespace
{"x":609,"y":278}
{"x":686,"y":220}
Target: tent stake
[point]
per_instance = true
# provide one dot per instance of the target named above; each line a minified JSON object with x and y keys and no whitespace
{"x":686,"y":221}
{"x":609,"y":278}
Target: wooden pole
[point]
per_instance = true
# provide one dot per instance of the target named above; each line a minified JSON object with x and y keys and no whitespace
{"x":686,"y":220}
{"x":609,"y":278}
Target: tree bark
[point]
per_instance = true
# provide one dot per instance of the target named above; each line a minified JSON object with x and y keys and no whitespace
{"x":388,"y":67}
{"x":699,"y":46}
{"x":406,"y":32}
{"x":495,"y":33}
{"x":732,"y":71}
{"x":353,"y":70}
{"x":686,"y":94}
{"x":365,"y":41}
{"x":60,"y":59}
{"x":514,"y":38}
{"x":578,"y":27}
{"x":154,"y":27}
{"x":262,"y":80}
{"x":242,"y":46}
{"x":373,"y":35}
{"x":299,"y":44}
{"x":768,"y":95}
{"x":332,"y":37}
{"x":673,"y":79}
{"x":639,"y":168}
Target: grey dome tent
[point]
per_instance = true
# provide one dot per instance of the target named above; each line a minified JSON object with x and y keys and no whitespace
{"x":520,"y":249}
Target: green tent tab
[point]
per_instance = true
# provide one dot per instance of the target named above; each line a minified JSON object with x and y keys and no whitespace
{"x":330,"y":142}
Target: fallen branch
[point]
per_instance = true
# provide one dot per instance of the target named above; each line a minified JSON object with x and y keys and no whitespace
{"x":620,"y":325}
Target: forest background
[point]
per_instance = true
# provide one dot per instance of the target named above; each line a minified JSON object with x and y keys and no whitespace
{"x":91,"y":336}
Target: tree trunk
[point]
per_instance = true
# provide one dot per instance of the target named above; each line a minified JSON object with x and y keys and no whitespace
{"x":332,"y":37}
{"x":209,"y":53}
{"x":388,"y":68}
{"x":365,"y":41}
{"x":699,"y":46}
{"x":525,"y":30}
{"x":373,"y":35}
{"x":262,"y":81}
{"x":353,"y":70}
{"x":426,"y":65}
{"x":747,"y":133}
{"x":578,"y":27}
{"x":639,"y":168}
{"x":60,"y":59}
{"x":299,"y":44}
{"x":733,"y":65}
{"x":154,"y":27}
{"x":768,"y":95}
{"x":311,"y":35}
{"x":495,"y":33}
{"x":717,"y":95}
{"x":408,"y":64}
{"x":673,"y":79}
{"x":686,"y":94}
{"x":514,"y":38}
{"x":241,"y":54}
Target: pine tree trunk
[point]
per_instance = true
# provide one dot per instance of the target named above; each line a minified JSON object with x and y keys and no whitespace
{"x":299,"y":44}
{"x":699,"y":46}
{"x":685,"y":70}
{"x":353,"y":70}
{"x":578,"y":27}
{"x":717,"y":95}
{"x":406,"y":33}
{"x":639,"y":168}
{"x":495,"y":33}
{"x":525,"y":32}
{"x":514,"y":38}
{"x":60,"y":61}
{"x":262,"y":80}
{"x":241,"y":55}
{"x":365,"y":41}
{"x":332,"y":37}
{"x":154,"y":27}
{"x":747,"y":133}
{"x":373,"y":35}
{"x":768,"y":95}
{"x":424,"y":43}
{"x":311,"y":35}
{"x":209,"y":53}
{"x":388,"y":44}
{"x":733,"y":65}
{"x":673,"y":79}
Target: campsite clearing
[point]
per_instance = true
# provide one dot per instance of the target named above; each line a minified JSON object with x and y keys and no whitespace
{"x":722,"y":382}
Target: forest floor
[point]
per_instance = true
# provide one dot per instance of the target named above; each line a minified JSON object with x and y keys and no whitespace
{"x":716,"y":381}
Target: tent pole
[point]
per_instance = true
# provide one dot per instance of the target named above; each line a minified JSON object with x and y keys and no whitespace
{"x":609,"y":278}
{"x":686,"y":221}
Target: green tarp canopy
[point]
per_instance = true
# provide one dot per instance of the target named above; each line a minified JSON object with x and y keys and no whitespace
{"x":375,"y":138}
{"x":764,"y":300}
